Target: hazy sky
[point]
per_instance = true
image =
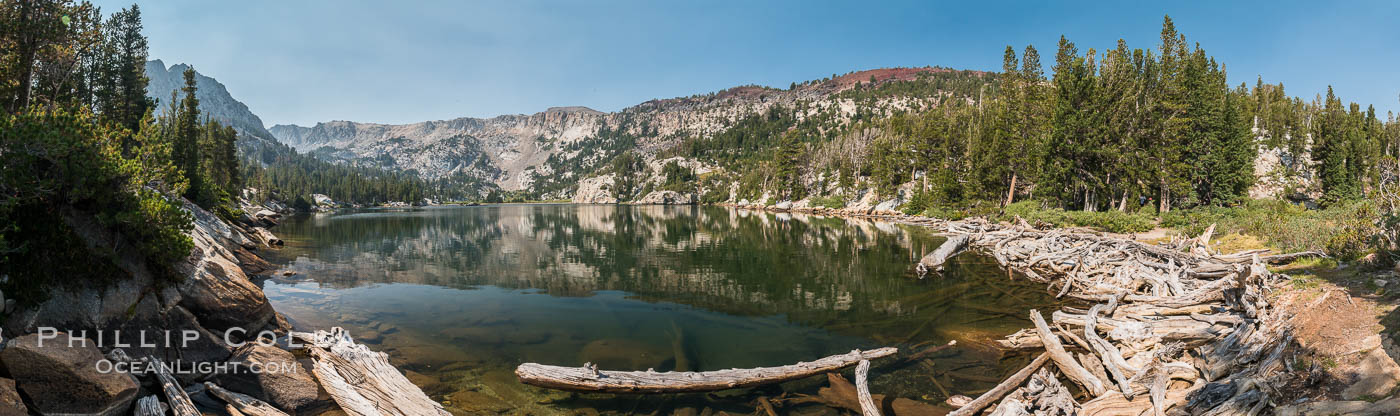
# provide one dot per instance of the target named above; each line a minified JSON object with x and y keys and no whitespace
{"x":304,"y":61}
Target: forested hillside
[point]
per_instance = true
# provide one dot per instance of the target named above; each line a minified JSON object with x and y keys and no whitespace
{"x":1111,"y":130}
{"x":82,"y":155}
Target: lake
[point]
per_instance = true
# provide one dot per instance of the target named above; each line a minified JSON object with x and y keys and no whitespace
{"x":458,"y":296}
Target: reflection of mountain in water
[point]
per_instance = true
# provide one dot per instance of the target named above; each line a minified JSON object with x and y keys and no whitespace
{"x":720,"y":259}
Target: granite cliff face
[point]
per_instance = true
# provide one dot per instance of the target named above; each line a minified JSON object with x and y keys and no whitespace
{"x":214,"y":99}
{"x":565,"y":145}
{"x":505,"y":149}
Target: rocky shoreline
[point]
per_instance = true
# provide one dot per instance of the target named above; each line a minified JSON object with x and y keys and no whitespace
{"x":94,"y":350}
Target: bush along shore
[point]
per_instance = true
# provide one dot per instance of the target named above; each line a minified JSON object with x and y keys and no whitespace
{"x":208,"y":345}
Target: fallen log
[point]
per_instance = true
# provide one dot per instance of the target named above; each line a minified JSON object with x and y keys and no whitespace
{"x":149,"y":406}
{"x":1115,"y":404}
{"x":243,"y":403}
{"x":1063,"y":359}
{"x":590,"y":379}
{"x":180,"y":403}
{"x":867,"y":405}
{"x":933,"y":262}
{"x":1006,"y":386}
{"x":362,"y":381}
{"x":266,"y":237}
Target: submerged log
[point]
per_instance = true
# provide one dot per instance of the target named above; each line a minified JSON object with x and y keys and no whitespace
{"x":934,"y":261}
{"x":362,"y":381}
{"x":1006,"y":386}
{"x":841,"y":394}
{"x":589,"y":378}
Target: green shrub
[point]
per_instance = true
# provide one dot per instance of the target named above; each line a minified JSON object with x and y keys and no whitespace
{"x":1347,"y":231}
{"x":1111,"y":221}
{"x":829,"y":201}
{"x":919,"y":202}
{"x":63,"y":170}
{"x":962,"y":211}
{"x":715,"y":195}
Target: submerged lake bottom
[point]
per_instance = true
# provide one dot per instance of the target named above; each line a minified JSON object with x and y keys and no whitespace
{"x":459,"y":296}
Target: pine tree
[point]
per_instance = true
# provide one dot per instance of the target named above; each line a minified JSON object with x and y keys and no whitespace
{"x":1167,"y":103}
{"x":121,"y":75}
{"x":1331,"y":148}
{"x":186,"y":134}
{"x":1071,"y":154}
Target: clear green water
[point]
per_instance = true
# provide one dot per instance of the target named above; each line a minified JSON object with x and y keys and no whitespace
{"x":461,"y":295}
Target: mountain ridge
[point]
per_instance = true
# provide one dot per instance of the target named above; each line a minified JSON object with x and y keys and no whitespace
{"x":514,"y":151}
{"x":215,"y":100}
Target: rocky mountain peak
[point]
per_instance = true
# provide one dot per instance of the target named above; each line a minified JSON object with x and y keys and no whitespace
{"x":214,"y":99}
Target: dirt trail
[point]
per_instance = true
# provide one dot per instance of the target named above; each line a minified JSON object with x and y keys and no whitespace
{"x":1345,"y":320}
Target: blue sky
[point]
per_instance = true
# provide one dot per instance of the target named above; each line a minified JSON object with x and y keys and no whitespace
{"x":397,"y":62}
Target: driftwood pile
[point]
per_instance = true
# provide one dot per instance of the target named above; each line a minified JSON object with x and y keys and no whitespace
{"x":1171,"y":330}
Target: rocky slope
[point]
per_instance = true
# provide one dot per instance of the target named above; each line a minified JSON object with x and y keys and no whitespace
{"x":202,"y":320}
{"x":567,"y":144}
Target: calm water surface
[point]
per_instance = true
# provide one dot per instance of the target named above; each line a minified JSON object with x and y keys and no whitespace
{"x":458,"y":296}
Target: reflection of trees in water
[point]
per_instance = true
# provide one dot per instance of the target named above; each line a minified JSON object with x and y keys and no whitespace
{"x":813,"y":269}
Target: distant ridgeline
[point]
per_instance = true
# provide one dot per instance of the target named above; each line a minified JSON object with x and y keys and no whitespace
{"x":1119,"y":129}
{"x":278,"y":171}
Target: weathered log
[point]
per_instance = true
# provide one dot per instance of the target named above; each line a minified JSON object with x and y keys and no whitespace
{"x":243,"y":403}
{"x":1011,"y":406}
{"x":180,"y":403}
{"x":1063,"y":359}
{"x":1115,"y":404}
{"x":589,"y":378}
{"x":149,"y":406}
{"x":1006,"y":386}
{"x":938,"y":258}
{"x":1112,"y":359}
{"x":766,"y":406}
{"x":867,"y":405}
{"x":362,"y":381}
{"x":267,"y":237}
{"x":1201,"y":245}
{"x":1050,"y":397}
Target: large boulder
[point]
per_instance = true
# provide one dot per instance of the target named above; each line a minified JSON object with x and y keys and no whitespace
{"x":10,"y":402}
{"x":666,"y":198}
{"x":60,"y":378}
{"x":595,"y":190}
{"x":624,"y":355}
{"x":215,"y":288}
{"x":273,"y":375}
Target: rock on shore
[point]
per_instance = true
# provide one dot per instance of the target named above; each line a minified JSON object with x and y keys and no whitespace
{"x":60,"y":377}
{"x":666,"y":198}
{"x":283,"y":382}
{"x":215,"y":296}
{"x":596,"y":190}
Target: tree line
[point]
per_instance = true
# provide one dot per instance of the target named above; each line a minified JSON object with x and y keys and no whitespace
{"x":1127,"y":128}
